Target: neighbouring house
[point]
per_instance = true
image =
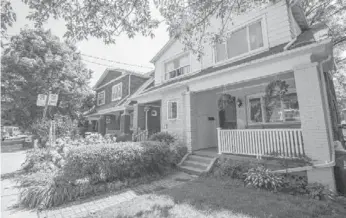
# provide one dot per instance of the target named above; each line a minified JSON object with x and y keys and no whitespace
{"x":219,"y":102}
{"x":113,"y":113}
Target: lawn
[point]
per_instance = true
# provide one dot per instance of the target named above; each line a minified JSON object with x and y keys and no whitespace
{"x":211,"y":197}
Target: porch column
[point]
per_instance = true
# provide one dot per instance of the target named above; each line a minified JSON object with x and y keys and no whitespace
{"x":313,"y":115}
{"x":90,"y":126}
{"x":187,"y":120}
{"x":125,"y":122}
{"x":102,"y":125}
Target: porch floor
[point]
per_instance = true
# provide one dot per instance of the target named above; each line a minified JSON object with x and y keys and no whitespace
{"x":210,"y":152}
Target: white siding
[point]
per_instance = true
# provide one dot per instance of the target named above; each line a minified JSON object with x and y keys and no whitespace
{"x":174,"y":126}
{"x":278,"y":32}
{"x":174,"y":50}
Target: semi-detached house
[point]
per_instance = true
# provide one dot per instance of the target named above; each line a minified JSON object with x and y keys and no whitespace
{"x":113,"y":113}
{"x":273,"y":43}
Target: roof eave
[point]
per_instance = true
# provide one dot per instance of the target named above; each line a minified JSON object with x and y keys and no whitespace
{"x":162,"y":50}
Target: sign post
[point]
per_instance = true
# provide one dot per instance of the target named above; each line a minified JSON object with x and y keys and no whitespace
{"x":45,"y":101}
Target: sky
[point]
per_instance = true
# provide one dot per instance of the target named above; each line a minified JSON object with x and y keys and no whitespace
{"x":137,"y":51}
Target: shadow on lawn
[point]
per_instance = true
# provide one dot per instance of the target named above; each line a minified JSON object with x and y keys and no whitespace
{"x":230,"y":195}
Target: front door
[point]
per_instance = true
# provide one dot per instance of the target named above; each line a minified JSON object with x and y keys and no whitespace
{"x":207,"y":133}
{"x":228,"y":116}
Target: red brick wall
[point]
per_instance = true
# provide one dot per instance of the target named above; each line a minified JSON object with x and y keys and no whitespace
{"x":136,"y":82}
{"x":108,"y":92}
{"x":110,"y":76}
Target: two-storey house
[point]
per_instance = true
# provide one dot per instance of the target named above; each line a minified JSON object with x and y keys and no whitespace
{"x":113,"y":113}
{"x":220,"y":102}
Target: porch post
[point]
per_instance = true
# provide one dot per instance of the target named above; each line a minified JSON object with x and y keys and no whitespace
{"x":314,"y":118}
{"x":187,"y":113}
{"x":219,"y":140}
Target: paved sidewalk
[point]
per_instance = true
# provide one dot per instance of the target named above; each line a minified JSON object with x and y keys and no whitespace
{"x":90,"y":206}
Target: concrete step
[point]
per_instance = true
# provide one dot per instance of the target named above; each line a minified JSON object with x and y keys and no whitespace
{"x":201,"y":166}
{"x":200,"y":159}
{"x":191,"y":170}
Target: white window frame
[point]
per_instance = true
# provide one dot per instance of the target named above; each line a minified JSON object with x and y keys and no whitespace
{"x":115,"y":87}
{"x":172,"y":59}
{"x":251,"y":52}
{"x":261,"y":96}
{"x":168,"y":109}
{"x":104,"y":97}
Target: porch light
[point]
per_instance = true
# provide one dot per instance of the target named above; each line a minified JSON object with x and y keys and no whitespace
{"x":239,"y":102}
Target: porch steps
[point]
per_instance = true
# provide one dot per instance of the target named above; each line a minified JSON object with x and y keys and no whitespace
{"x":196,"y":164}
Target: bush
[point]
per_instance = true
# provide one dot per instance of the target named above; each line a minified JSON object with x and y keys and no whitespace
{"x":109,"y":162}
{"x":124,"y":138}
{"x":260,"y":177}
{"x":163,"y":137}
{"x":88,"y":170}
{"x":227,"y":167}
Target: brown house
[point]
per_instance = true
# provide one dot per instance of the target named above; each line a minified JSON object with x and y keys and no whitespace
{"x":113,"y":113}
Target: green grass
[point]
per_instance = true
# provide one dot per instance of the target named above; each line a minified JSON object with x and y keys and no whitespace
{"x":210,"y":197}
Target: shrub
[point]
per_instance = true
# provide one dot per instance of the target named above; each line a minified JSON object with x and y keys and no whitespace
{"x":124,"y":138}
{"x":260,"y":177}
{"x":109,"y":162}
{"x":227,"y":167}
{"x":163,"y":137}
{"x":38,"y":159}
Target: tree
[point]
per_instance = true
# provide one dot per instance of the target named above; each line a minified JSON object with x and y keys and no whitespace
{"x":187,"y":20}
{"x":34,"y":62}
{"x":333,"y":13}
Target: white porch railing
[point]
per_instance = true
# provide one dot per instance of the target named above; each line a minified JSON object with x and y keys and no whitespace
{"x":267,"y":142}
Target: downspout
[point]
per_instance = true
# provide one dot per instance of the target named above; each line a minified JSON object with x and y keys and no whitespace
{"x":295,"y":38}
{"x":330,"y":163}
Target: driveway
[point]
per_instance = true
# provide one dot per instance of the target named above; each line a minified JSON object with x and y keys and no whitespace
{"x":10,"y":163}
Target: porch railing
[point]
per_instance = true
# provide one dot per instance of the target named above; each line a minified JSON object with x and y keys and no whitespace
{"x":140,"y":136}
{"x":287,"y":143}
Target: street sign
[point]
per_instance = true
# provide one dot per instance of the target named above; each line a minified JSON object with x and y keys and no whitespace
{"x":41,"y":100}
{"x":53,"y":99}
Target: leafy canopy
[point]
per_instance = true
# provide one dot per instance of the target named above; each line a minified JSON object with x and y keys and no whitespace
{"x":34,"y":62}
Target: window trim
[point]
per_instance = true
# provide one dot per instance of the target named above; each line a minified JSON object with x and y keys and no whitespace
{"x":251,"y":52}
{"x":261,"y":96}
{"x":121,"y":91}
{"x":168,"y":109}
{"x":104,"y":97}
{"x":173,"y":58}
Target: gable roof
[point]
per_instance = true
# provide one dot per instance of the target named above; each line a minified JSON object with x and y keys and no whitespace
{"x":119,"y":73}
{"x":163,"y":49}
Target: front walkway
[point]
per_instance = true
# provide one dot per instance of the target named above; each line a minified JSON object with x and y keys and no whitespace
{"x":90,"y":206}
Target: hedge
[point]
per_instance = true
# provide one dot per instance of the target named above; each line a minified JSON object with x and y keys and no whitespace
{"x":93,"y":169}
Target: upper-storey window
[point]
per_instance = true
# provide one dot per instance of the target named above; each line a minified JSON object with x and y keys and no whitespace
{"x":117,"y":91}
{"x":177,"y":67}
{"x":101,"y":98}
{"x":242,"y":41}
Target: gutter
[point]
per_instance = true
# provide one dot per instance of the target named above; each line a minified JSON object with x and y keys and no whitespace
{"x":328,"y":164}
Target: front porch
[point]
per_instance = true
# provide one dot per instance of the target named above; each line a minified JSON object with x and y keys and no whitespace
{"x":147,"y":120}
{"x":239,"y":119}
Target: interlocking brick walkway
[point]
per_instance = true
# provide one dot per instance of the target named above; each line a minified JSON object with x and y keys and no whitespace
{"x":91,"y":206}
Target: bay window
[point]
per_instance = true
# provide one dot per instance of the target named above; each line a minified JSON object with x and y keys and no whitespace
{"x":177,"y":67}
{"x":242,"y":41}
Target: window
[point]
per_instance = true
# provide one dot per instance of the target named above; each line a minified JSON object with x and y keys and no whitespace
{"x":117,"y":91}
{"x":101,"y":98}
{"x":177,"y":67}
{"x":277,"y":111}
{"x":172,"y":110}
{"x":242,"y":41}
